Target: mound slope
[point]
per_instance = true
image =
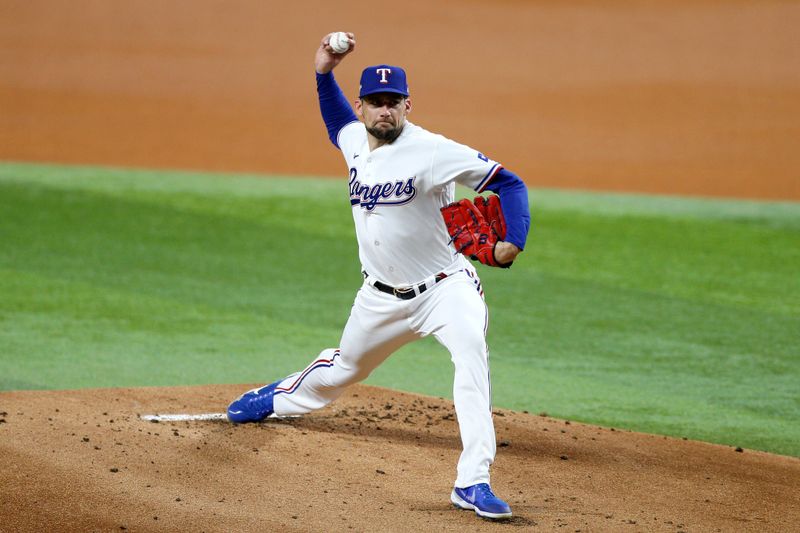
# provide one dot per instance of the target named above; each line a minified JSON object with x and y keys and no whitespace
{"x":375,"y":460}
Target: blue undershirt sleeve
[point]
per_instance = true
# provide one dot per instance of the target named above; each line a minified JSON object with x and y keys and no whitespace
{"x":514,"y":200}
{"x":336,"y":110}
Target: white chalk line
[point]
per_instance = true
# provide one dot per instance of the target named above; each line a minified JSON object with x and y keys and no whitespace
{"x":190,"y":417}
{"x":183,"y":417}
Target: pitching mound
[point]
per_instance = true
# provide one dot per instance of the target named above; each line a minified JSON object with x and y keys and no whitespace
{"x":375,"y":460}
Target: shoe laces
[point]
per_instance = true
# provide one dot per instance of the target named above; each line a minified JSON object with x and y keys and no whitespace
{"x":485,"y":489}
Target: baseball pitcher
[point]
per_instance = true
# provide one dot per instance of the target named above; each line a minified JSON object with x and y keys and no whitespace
{"x":414,"y":241}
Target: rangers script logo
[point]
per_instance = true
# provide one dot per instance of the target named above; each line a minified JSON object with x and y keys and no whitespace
{"x":398,"y":192}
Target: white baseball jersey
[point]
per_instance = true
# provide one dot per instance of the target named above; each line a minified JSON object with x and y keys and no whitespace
{"x":396,"y":192}
{"x":417,"y":171}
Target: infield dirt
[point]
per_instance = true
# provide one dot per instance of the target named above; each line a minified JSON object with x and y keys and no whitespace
{"x":698,"y":98}
{"x":375,"y":460}
{"x":682,"y":97}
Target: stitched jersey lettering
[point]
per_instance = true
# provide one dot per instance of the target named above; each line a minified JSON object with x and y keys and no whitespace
{"x":389,"y":193}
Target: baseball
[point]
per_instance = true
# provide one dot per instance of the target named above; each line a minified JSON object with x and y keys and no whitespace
{"x":339,"y":42}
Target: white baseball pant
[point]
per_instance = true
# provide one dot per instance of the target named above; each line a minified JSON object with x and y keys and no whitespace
{"x":454,"y":312}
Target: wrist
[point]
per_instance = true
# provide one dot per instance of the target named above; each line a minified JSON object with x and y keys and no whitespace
{"x":505,"y":252}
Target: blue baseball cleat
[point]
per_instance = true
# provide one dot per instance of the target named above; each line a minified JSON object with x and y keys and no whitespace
{"x":482,"y":500}
{"x":253,"y":405}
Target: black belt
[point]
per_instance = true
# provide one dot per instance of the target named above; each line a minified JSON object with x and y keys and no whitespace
{"x":408,"y":292}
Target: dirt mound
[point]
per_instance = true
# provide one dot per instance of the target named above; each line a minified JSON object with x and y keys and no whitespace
{"x":375,"y":460}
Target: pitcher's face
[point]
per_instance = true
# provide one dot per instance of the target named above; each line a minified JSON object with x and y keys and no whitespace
{"x":384,"y":114}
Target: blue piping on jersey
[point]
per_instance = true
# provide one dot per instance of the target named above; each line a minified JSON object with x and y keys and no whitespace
{"x":488,"y":177}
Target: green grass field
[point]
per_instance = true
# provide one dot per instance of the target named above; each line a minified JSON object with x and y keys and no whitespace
{"x":672,"y":316}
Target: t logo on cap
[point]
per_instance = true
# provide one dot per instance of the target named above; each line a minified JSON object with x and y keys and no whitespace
{"x":383,"y":73}
{"x":383,"y":79}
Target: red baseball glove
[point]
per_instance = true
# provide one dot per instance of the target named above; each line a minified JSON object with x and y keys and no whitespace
{"x":475,"y":228}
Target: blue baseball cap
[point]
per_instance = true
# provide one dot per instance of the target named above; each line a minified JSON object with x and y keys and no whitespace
{"x":383,"y":79}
